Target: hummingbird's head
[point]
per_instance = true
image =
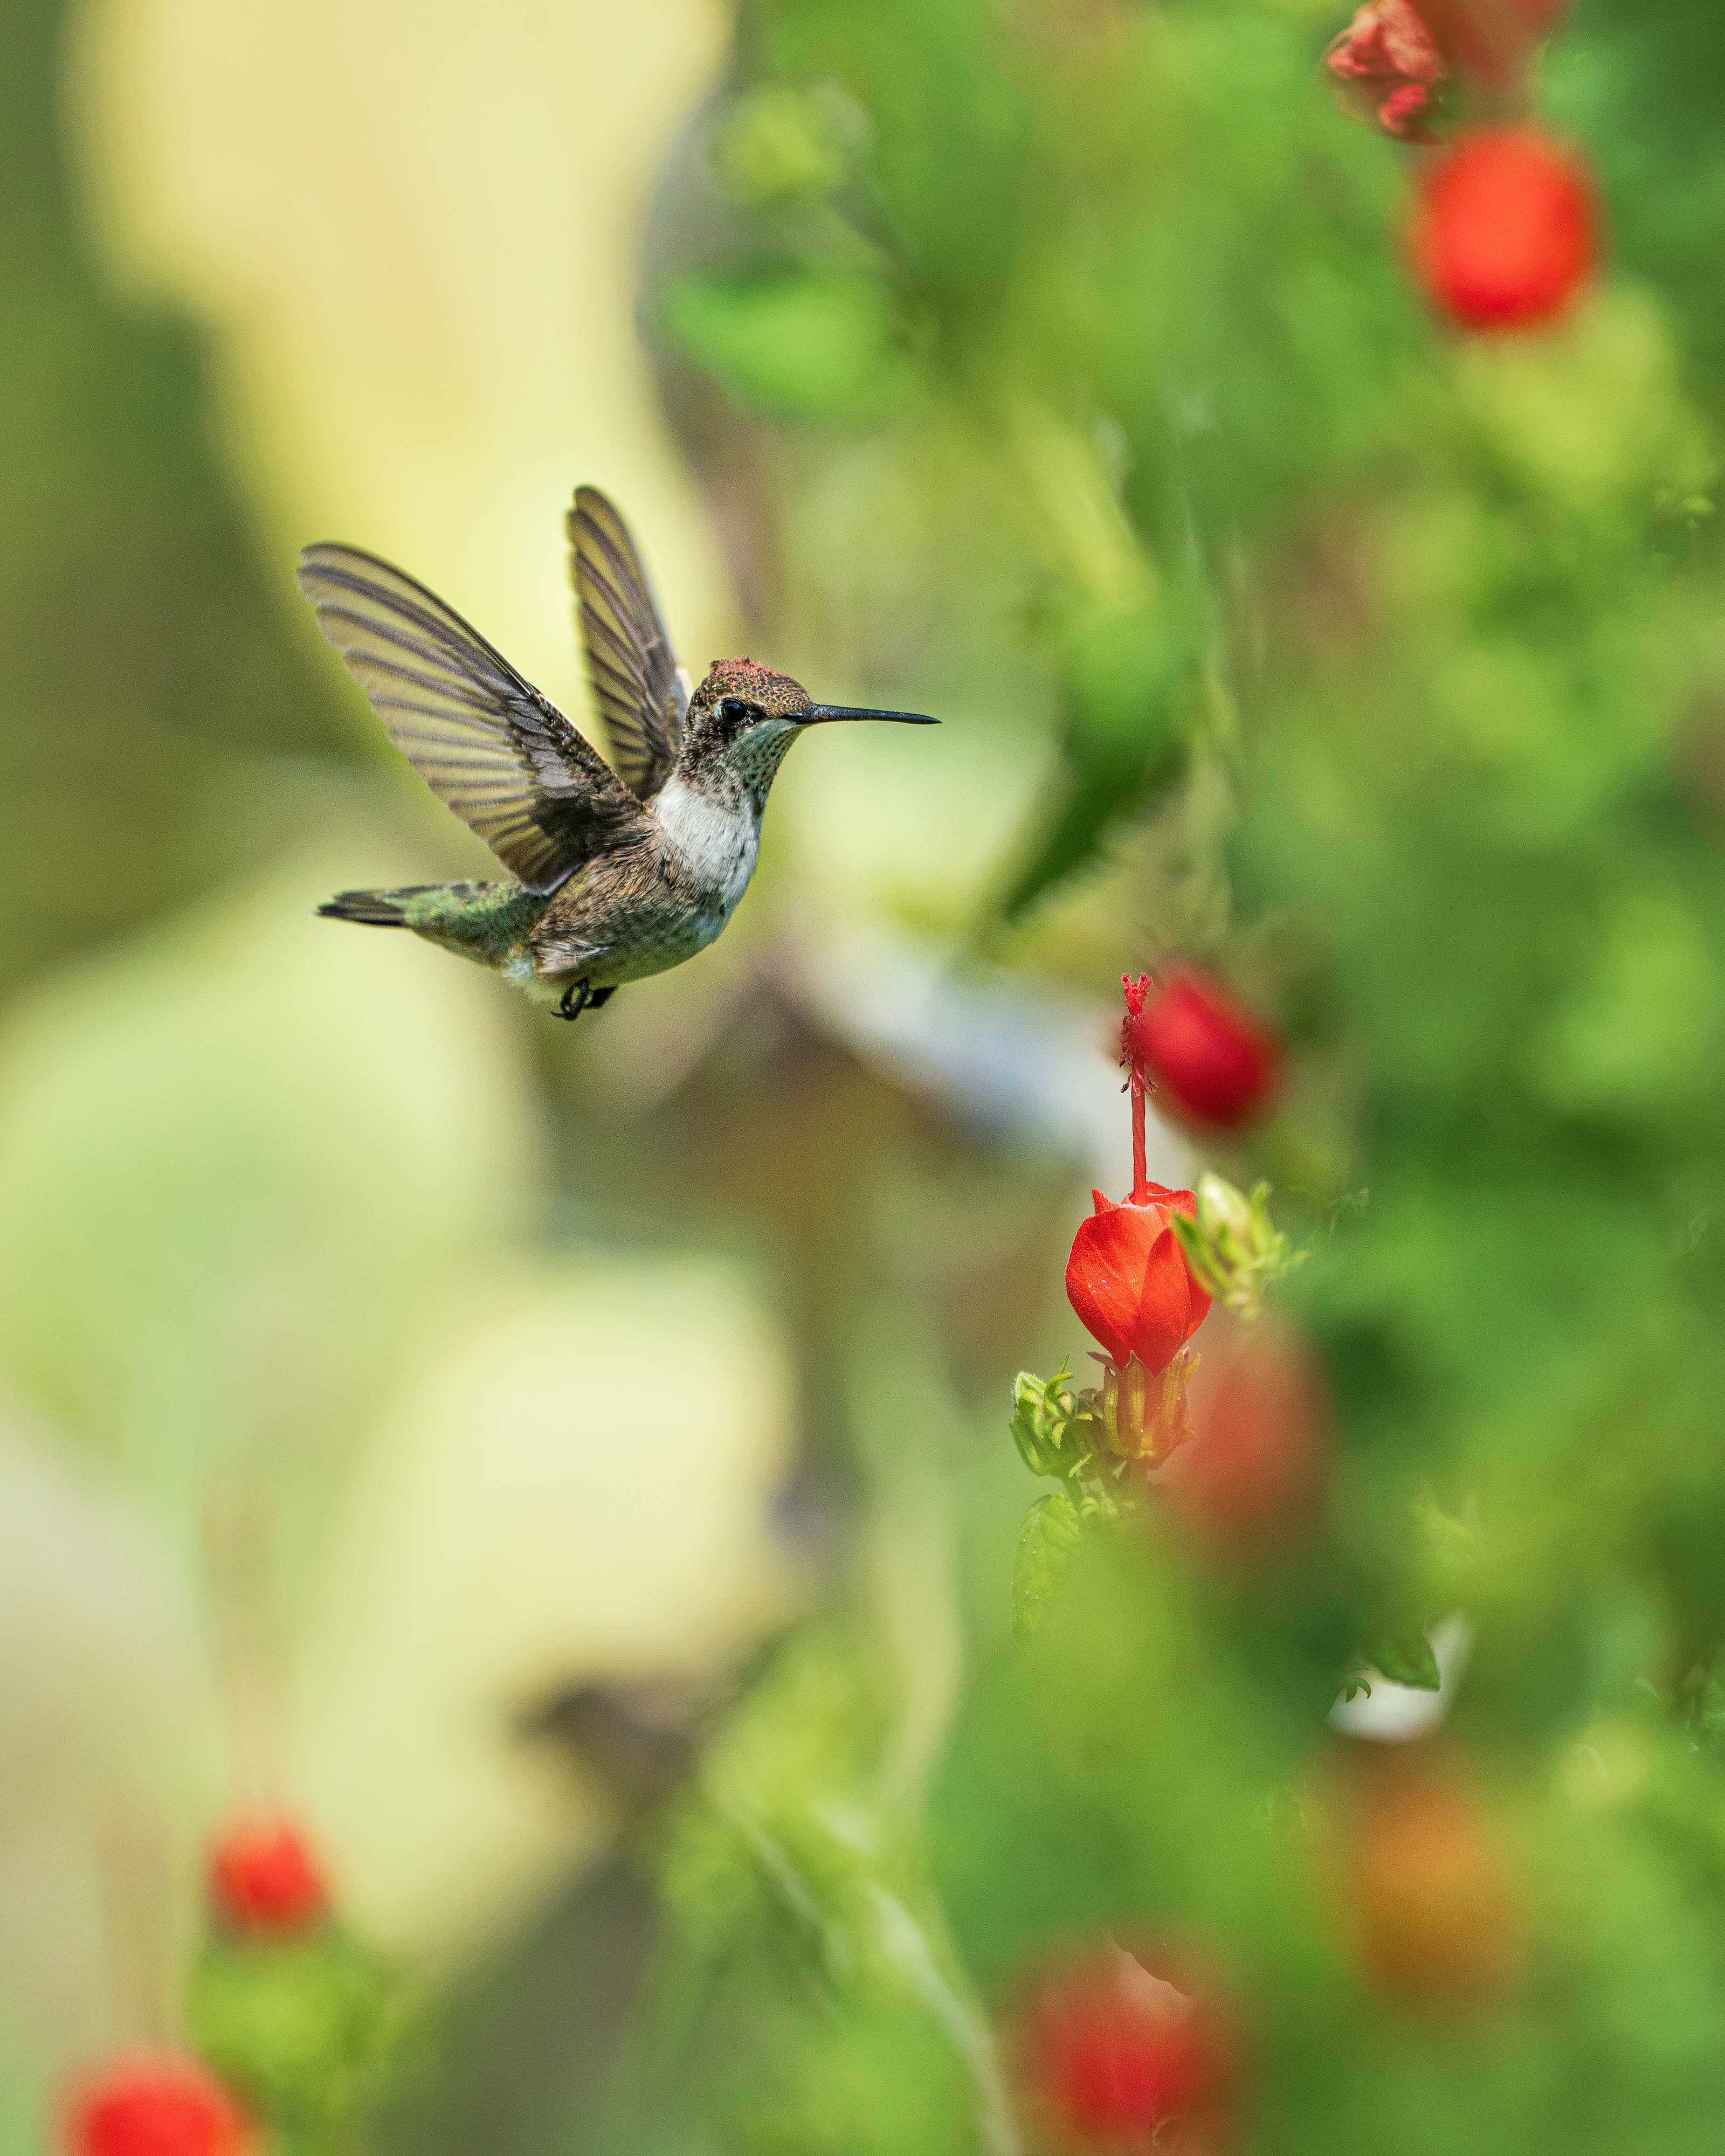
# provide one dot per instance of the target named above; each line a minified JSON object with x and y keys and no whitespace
{"x":744,"y":717}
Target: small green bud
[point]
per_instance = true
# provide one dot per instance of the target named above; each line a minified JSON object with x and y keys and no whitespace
{"x":1234,"y":1249}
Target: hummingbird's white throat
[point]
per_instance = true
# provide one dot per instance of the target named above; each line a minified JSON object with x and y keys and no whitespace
{"x":715,"y":837}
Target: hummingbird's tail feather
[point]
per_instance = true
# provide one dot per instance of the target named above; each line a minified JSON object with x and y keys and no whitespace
{"x":377,"y":909}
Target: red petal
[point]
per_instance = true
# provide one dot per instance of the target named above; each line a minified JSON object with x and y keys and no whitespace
{"x":1164,"y":1320}
{"x":1106,"y":1273}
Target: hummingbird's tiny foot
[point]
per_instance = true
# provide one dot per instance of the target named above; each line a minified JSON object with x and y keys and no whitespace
{"x":575,"y":999}
{"x":600,"y":997}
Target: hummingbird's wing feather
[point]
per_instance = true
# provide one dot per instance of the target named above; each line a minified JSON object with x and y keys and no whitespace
{"x":637,"y":682}
{"x":481,"y":737}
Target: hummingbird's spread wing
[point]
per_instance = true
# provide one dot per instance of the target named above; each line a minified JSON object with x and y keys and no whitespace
{"x":483,"y":738}
{"x":636,"y":680}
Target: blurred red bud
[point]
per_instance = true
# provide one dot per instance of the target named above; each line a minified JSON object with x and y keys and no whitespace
{"x":1209,"y":1054}
{"x":1251,"y":1482}
{"x":262,"y":1878}
{"x":156,"y":2105}
{"x":1504,"y":237}
{"x":1112,"y":2058}
{"x":1430,"y":1901}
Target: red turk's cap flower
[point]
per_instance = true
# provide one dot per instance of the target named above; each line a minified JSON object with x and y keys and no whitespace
{"x":1386,"y":66}
{"x":1214,"y":1059}
{"x":1114,"y":2059}
{"x":1127,"y":1278}
{"x":263,"y":1877}
{"x":156,"y":2106}
{"x":1505,"y":235}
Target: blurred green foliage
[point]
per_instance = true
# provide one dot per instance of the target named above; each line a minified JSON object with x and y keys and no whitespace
{"x":1435,"y":624}
{"x":307,"y":2029}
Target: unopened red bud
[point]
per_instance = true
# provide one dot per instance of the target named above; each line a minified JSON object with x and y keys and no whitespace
{"x":264,"y":1878}
{"x":1505,"y":237}
{"x":155,"y":2105}
{"x":1208,"y":1054}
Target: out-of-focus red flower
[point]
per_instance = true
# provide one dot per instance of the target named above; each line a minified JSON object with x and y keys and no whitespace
{"x":1212,"y":1057}
{"x":1430,"y":1901}
{"x":156,"y":2106}
{"x":263,"y":1877}
{"x":1114,"y":2059}
{"x":1492,"y":40}
{"x":1505,"y":235}
{"x":1251,"y":1481}
{"x":1386,"y":66}
{"x":1127,"y":1278}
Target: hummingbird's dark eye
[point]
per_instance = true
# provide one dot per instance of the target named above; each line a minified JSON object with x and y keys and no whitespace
{"x":735,"y":713}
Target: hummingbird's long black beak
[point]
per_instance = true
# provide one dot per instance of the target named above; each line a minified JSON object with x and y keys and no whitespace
{"x":822,"y":712}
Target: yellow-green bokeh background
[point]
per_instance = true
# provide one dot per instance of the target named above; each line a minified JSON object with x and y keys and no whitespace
{"x":376,"y":1359}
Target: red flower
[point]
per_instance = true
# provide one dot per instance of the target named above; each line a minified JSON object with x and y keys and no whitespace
{"x":156,"y":2106}
{"x":1214,"y":1058}
{"x":1505,"y":236}
{"x":1386,"y":66}
{"x":1251,"y":1479}
{"x":1127,"y":1278}
{"x":263,"y":1877}
{"x":1113,"y":2058}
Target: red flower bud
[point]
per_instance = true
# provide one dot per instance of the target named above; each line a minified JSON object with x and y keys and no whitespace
{"x":1504,"y":237}
{"x":156,"y":2106}
{"x":1251,"y":1481}
{"x":1430,"y":1903}
{"x":1127,"y":1278}
{"x":1386,"y":67}
{"x":263,"y":1877}
{"x":1114,"y":2059}
{"x":1212,"y":1057}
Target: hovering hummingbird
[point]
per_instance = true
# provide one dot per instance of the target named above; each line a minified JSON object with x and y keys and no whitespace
{"x":616,"y":870}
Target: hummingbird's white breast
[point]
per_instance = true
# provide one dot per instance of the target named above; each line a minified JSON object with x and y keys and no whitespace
{"x":716,"y":840}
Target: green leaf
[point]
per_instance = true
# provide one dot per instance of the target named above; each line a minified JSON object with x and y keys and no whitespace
{"x":1048,"y":1543}
{"x":1406,"y":1658}
{"x":793,"y":344}
{"x":1127,"y":676}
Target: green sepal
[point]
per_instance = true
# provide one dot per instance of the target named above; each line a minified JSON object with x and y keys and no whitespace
{"x":1048,"y":1543}
{"x":1055,"y":1429}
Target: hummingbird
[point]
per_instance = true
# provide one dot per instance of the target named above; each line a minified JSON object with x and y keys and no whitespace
{"x":616,"y":870}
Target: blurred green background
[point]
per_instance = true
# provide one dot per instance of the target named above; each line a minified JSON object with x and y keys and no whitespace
{"x":432,"y":1418}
